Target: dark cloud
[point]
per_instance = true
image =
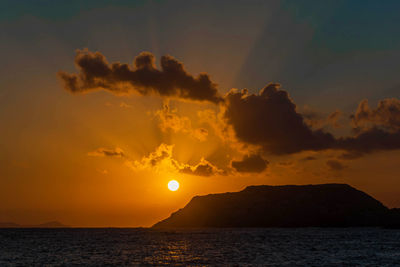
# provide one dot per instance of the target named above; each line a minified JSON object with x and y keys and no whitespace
{"x":106,"y":152}
{"x":250,"y":163}
{"x":375,"y":129}
{"x":171,"y":80}
{"x":371,"y":140}
{"x":335,"y":165}
{"x":270,"y":119}
{"x":386,"y":115}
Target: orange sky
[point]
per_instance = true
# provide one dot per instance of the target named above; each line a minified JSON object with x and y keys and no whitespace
{"x":59,"y":177}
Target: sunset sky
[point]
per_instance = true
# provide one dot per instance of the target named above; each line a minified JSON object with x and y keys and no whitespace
{"x":102,"y":103}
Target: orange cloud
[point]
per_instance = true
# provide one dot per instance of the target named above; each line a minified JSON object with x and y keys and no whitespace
{"x":170,"y":120}
{"x":161,"y":160}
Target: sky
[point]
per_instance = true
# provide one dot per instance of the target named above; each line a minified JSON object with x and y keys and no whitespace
{"x":103,"y":102}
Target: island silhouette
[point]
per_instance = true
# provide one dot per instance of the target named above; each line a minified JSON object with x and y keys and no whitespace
{"x":322,"y":205}
{"x":52,"y":224}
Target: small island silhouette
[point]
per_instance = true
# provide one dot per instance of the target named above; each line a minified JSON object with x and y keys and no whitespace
{"x":323,"y":205}
{"x":52,"y":224}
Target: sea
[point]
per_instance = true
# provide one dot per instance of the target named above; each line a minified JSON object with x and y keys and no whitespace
{"x":200,"y":247}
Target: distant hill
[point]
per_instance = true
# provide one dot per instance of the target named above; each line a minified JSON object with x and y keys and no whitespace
{"x":325,"y":205}
{"x":52,"y":224}
{"x":9,"y":225}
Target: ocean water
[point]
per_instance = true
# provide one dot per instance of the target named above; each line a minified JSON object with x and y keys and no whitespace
{"x":199,"y":247}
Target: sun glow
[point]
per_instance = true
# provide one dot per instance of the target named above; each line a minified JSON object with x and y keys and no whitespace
{"x":173,"y":185}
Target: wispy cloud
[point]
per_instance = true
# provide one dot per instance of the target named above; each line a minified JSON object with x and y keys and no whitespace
{"x":107,"y":152}
{"x":161,"y":160}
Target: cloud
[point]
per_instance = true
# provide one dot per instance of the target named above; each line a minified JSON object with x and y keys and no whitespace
{"x":250,"y":163}
{"x":124,"y":105}
{"x":349,"y":155}
{"x":335,"y":165}
{"x":203,"y":168}
{"x":370,"y":140}
{"x":333,"y":119}
{"x":385,"y":116}
{"x":375,"y":129}
{"x":266,"y":123}
{"x":285,"y":163}
{"x":106,"y":152}
{"x":161,"y":160}
{"x":269,"y":119}
{"x":317,"y":120}
{"x":144,"y":78}
{"x":170,"y":120}
{"x":200,"y":134}
{"x":308,"y":158}
{"x":216,"y":122}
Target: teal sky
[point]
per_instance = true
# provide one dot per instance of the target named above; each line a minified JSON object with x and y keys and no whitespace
{"x":312,"y":47}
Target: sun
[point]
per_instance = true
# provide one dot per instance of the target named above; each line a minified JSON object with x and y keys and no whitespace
{"x":173,"y":185}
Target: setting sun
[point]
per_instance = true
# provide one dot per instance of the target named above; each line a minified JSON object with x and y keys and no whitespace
{"x":173,"y":185}
{"x":283,"y":127}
